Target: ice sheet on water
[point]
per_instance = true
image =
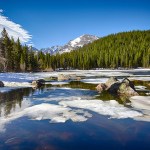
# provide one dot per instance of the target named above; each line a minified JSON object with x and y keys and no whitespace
{"x":146,"y":78}
{"x":44,"y":111}
{"x":94,"y":81}
{"x":58,"y":83}
{"x":79,"y":110}
{"x":17,"y":84}
{"x":140,"y":102}
{"x":110,"y":108}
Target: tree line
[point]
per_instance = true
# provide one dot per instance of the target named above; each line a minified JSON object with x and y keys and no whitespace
{"x":126,"y":50}
{"x":15,"y":57}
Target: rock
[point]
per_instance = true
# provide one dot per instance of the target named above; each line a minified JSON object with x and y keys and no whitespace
{"x":38,"y":83}
{"x":126,"y":87}
{"x":111,"y":81}
{"x":1,"y":84}
{"x":78,"y":78}
{"x":74,"y":77}
{"x":62,"y":77}
{"x":101,"y":87}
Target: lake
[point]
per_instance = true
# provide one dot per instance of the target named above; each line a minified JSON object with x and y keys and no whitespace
{"x":72,"y":115}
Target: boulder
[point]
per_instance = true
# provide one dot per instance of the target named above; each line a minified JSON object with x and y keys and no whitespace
{"x":62,"y":77}
{"x":74,"y":77}
{"x":1,"y":84}
{"x":114,"y":86}
{"x":101,"y":87}
{"x":127,"y":88}
{"x":111,"y":81}
{"x":38,"y":83}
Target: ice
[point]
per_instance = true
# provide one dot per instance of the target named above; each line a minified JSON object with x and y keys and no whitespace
{"x":141,"y":88}
{"x":59,"y":83}
{"x":140,"y":102}
{"x":110,"y":108}
{"x":17,"y":84}
{"x":44,"y":111}
{"x":95,"y":81}
{"x":145,"y":78}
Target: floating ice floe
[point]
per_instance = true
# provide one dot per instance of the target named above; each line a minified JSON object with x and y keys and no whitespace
{"x":110,"y":108}
{"x":78,"y":110}
{"x":17,"y":84}
{"x":142,"y":104}
{"x":140,"y":78}
{"x":94,"y":81}
{"x":141,"y":88}
{"x":44,"y":111}
{"x":58,"y":83}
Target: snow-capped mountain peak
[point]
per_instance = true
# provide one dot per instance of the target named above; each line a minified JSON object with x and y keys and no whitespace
{"x":71,"y":45}
{"x":82,"y":40}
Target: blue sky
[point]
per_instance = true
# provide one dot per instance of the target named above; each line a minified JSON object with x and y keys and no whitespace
{"x":55,"y":22}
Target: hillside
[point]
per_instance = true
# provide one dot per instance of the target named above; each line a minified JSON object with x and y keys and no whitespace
{"x":126,"y":49}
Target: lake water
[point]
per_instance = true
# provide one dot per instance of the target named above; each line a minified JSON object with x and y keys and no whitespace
{"x":72,"y":115}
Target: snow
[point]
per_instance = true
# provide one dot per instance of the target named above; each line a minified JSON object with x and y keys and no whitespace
{"x":75,"y":42}
{"x":110,"y":108}
{"x":141,"y":88}
{"x":44,"y":111}
{"x":140,"y":102}
{"x":17,"y":84}
{"x":145,"y":78}
{"x":74,"y":105}
{"x":95,"y":81}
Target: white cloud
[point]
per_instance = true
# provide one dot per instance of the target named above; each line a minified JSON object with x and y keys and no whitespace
{"x":14,"y":30}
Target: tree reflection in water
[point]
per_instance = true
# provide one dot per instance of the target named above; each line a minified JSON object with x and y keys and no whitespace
{"x":9,"y":100}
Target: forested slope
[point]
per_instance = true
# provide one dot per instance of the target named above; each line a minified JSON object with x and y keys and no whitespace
{"x":126,"y":49}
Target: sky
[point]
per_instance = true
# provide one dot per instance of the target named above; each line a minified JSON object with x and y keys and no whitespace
{"x":46,"y":23}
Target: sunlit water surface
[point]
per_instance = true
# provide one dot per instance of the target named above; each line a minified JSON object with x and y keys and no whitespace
{"x":71,"y":115}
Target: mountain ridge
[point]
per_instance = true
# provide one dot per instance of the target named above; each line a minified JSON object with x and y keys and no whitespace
{"x":71,"y":45}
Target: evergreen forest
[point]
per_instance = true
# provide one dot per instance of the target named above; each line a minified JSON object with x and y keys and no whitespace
{"x":125,"y":50}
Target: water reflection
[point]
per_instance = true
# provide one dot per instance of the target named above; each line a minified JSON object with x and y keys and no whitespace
{"x":9,"y":100}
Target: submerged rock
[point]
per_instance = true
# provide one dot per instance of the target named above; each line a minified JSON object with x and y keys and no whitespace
{"x":114,"y":86}
{"x":1,"y":84}
{"x":38,"y":83}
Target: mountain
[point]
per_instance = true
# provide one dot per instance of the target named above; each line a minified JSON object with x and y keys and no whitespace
{"x":52,"y":50}
{"x":71,"y":45}
{"x":78,"y":42}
